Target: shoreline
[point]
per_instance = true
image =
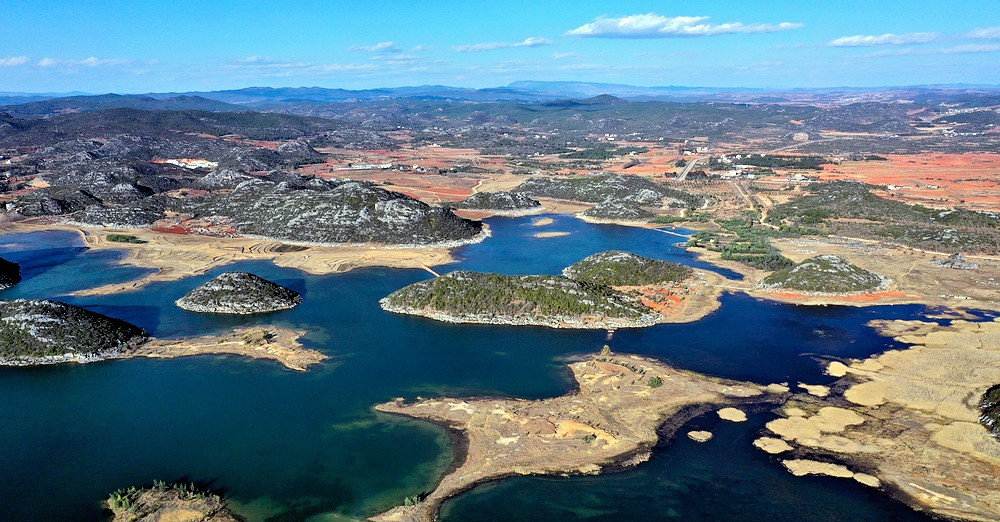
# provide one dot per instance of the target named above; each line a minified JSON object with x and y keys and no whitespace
{"x":611,"y":420}
{"x":272,"y":343}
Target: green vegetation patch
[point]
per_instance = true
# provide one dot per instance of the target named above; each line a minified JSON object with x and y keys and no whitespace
{"x":124,"y":238}
{"x":480,"y":294}
{"x":604,"y":153}
{"x":825,"y":274}
{"x":618,"y":268}
{"x":605,"y":187}
{"x":31,"y":328}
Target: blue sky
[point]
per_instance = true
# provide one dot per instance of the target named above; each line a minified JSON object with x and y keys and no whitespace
{"x":181,"y":45}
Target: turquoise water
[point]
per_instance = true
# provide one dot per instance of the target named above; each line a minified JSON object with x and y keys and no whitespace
{"x":291,"y":446}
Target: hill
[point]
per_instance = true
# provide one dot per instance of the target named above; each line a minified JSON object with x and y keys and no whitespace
{"x":510,"y":202}
{"x":50,"y":331}
{"x":826,"y":274}
{"x":71,"y":104}
{"x":239,"y":293}
{"x":173,"y":502}
{"x":597,"y":189}
{"x":558,"y":302}
{"x":10,"y":274}
{"x":618,"y":268}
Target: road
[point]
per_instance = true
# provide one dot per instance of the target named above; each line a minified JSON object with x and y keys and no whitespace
{"x":687,"y":169}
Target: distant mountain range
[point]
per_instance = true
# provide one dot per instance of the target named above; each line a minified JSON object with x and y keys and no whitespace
{"x":30,"y":105}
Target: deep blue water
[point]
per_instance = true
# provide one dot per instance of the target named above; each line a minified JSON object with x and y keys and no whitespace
{"x":292,"y":446}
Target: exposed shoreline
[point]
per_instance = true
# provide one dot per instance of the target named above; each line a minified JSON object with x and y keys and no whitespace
{"x":277,"y":344}
{"x":612,"y":421}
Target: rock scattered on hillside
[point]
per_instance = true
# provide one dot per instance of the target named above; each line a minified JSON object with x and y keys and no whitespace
{"x":239,"y":293}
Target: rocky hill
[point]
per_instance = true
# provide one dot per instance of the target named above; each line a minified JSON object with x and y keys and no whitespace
{"x":989,"y":405}
{"x":335,"y":212}
{"x":39,"y":332}
{"x":618,"y":268}
{"x":617,"y":187}
{"x":616,"y":210}
{"x":239,"y":293}
{"x":511,"y":202}
{"x":10,"y":274}
{"x":558,"y":302}
{"x":825,"y":274}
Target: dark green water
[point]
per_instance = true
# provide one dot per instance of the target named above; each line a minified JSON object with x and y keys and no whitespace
{"x":291,"y":446}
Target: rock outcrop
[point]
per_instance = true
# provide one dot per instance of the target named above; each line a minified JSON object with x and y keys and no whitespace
{"x":825,"y":274}
{"x":239,"y":293}
{"x":10,"y":274}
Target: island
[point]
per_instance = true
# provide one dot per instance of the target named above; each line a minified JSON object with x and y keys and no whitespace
{"x":920,"y":422}
{"x":616,"y":211}
{"x":37,"y":332}
{"x":239,"y":293}
{"x":825,"y":274}
{"x":10,"y":274}
{"x":501,"y":203}
{"x":168,"y":502}
{"x":554,"y":301}
{"x":613,"y":420}
{"x":609,"y":187}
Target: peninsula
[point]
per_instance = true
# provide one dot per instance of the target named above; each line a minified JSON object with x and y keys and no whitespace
{"x":612,"y":420}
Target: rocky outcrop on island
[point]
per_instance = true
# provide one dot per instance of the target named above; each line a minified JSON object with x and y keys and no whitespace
{"x":10,"y":274}
{"x":173,"y":502}
{"x":605,"y":187}
{"x":989,"y":406}
{"x":619,"y":268}
{"x":825,"y":274}
{"x":44,"y":332}
{"x":239,"y":293}
{"x":916,"y":420}
{"x":558,"y":302}
{"x":613,"y":418}
{"x":508,"y":203}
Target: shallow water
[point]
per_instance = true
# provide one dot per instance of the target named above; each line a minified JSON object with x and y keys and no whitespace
{"x":291,"y":446}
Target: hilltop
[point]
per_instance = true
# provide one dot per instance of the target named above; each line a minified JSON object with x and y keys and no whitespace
{"x":825,"y":274}
{"x":10,"y":274}
{"x":500,"y":202}
{"x":239,"y":293}
{"x":604,"y":187}
{"x":163,"y":502}
{"x":559,"y":302}
{"x":50,"y":331}
{"x":989,"y":405}
{"x":619,"y":268}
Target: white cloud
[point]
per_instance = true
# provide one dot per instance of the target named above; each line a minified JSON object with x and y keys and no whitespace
{"x":985,"y":33}
{"x":47,"y":62}
{"x":255,"y":59}
{"x":956,"y":49}
{"x":11,"y":61}
{"x":563,"y":56}
{"x":869,"y":40}
{"x":381,"y":47}
{"x":652,"y":25}
{"x":91,"y":61}
{"x":534,"y":41}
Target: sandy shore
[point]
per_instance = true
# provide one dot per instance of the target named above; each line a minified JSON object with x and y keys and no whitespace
{"x":612,"y":420}
{"x":906,"y":420}
{"x":277,"y":344}
{"x":176,"y":256}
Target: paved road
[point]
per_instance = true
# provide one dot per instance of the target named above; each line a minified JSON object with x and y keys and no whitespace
{"x":687,"y":169}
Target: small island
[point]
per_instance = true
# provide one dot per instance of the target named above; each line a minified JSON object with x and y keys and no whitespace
{"x":168,"y":502}
{"x":554,"y":301}
{"x":501,"y":203}
{"x":616,"y":211}
{"x":620,"y":268}
{"x":614,"y":419}
{"x":34,"y":333}
{"x":10,"y":274}
{"x":239,"y":293}
{"x":825,"y":274}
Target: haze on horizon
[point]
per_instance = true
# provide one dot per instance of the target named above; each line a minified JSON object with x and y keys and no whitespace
{"x":183,"y":45}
